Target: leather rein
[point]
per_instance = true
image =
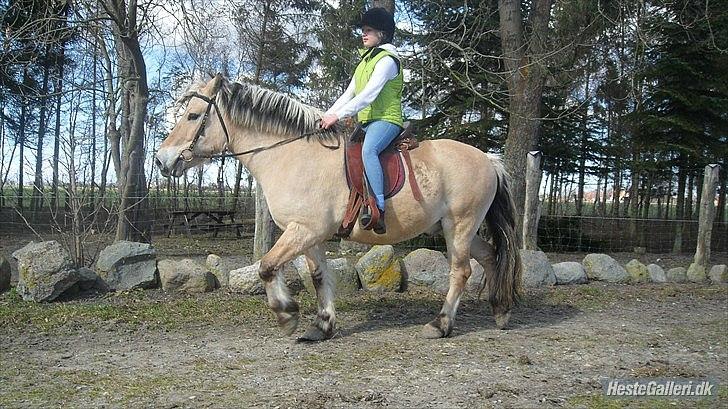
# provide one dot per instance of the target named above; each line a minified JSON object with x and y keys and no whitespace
{"x":188,"y":153}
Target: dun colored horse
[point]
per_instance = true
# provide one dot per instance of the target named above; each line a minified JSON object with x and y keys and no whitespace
{"x":303,"y":179}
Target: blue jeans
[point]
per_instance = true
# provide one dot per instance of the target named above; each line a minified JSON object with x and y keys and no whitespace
{"x":379,"y":134}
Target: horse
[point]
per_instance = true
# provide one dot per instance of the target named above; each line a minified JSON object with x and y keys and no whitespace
{"x":279,"y":140}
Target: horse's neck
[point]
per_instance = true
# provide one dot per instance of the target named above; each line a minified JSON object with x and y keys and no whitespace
{"x":278,"y":164}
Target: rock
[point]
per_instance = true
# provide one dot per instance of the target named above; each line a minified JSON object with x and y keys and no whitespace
{"x":352,"y":247}
{"x":88,"y":280}
{"x":604,"y":268}
{"x":221,"y":267}
{"x":185,"y":276}
{"x":570,"y":272}
{"x":4,"y":274}
{"x":697,"y":273}
{"x":345,"y":277}
{"x":719,"y":274}
{"x":246,"y":280}
{"x":537,"y":270}
{"x":126,"y":265}
{"x":637,"y":271}
{"x":427,"y":268}
{"x":45,"y":271}
{"x":657,"y":274}
{"x":677,"y":275}
{"x":380,"y":270}
{"x":640,"y":250}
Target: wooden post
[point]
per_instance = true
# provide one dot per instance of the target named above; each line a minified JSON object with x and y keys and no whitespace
{"x":697,"y":270}
{"x":532,"y":208}
{"x":264,"y":225}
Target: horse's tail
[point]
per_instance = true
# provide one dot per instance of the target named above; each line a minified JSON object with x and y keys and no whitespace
{"x":505,"y":289}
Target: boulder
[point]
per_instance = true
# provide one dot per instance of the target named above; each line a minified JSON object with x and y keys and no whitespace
{"x":570,"y":272}
{"x":657,"y":274}
{"x":696,"y":273}
{"x":638,"y":272}
{"x":45,"y":271}
{"x":380,"y":270}
{"x":185,"y":276}
{"x":88,"y":280}
{"x":5,"y":274}
{"x":127,"y":265}
{"x":221,"y":267}
{"x":427,"y":268}
{"x":604,"y":268}
{"x":246,"y":280}
{"x":345,"y":277}
{"x":537,"y":270}
{"x":677,"y":275}
{"x":719,"y":274}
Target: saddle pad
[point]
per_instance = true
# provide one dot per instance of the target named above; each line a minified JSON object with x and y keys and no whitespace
{"x":392,"y":167}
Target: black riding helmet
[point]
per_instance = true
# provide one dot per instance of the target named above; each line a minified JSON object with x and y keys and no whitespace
{"x":380,"y":19}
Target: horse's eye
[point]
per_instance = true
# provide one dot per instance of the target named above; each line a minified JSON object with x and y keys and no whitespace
{"x":192,"y":116}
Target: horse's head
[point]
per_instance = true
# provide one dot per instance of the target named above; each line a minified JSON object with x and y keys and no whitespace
{"x":197,"y":134}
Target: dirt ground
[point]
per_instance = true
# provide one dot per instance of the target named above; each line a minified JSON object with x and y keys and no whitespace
{"x":151,"y":349}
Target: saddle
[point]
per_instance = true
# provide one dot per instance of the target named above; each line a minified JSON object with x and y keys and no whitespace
{"x":393,"y":160}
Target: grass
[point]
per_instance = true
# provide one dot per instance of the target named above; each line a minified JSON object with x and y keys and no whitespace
{"x":133,"y":309}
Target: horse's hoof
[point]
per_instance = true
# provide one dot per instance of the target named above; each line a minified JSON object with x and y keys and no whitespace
{"x":288,"y":321}
{"x":314,"y":334}
{"x":432,"y":330}
{"x":501,"y":319}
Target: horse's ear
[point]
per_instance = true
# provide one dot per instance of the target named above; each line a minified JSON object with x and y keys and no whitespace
{"x":216,"y":83}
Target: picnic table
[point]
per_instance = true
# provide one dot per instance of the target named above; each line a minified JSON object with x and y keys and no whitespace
{"x":204,"y":220}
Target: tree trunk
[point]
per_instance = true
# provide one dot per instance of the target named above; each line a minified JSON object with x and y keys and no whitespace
{"x":21,"y":158}
{"x":679,"y":208}
{"x":525,"y":82}
{"x":688,"y":212}
{"x":37,"y":201}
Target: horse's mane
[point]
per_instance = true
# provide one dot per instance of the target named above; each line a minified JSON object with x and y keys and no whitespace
{"x":267,"y":111}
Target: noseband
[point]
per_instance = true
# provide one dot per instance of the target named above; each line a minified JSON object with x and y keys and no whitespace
{"x":188,"y":154}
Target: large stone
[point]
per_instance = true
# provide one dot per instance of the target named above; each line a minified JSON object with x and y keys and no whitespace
{"x":604,"y":268}
{"x":88,"y":280}
{"x":221,"y":267}
{"x":45,"y":271}
{"x":4,"y":274}
{"x":719,"y":274}
{"x":570,"y":272}
{"x":537,"y":270}
{"x":427,"y":268}
{"x":380,"y":270}
{"x":697,"y":273}
{"x":185,"y":276}
{"x":127,"y":265}
{"x":638,"y":272}
{"x":346,"y":280}
{"x":246,"y":280}
{"x":677,"y":275}
{"x":657,"y":273}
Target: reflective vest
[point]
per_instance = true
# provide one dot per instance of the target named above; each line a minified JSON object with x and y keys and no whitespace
{"x":387,"y":105}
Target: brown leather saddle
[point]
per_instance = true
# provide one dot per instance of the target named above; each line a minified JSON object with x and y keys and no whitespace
{"x":393,"y":159}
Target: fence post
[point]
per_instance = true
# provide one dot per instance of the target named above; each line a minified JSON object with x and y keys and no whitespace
{"x":697,"y":270}
{"x":532,"y":208}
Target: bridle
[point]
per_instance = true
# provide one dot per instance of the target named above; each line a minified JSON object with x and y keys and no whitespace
{"x":188,"y":154}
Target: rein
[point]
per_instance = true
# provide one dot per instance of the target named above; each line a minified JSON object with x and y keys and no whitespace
{"x":188,"y":153}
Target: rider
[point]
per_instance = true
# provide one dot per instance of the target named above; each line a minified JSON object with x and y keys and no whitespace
{"x":375,"y":95}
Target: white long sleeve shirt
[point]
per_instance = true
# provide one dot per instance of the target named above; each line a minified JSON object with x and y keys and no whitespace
{"x":349,"y":104}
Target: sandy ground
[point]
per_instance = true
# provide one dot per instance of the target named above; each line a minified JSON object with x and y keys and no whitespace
{"x":151,"y":349}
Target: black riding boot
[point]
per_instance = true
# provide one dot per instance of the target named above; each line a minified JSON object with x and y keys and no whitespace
{"x":380,"y":228}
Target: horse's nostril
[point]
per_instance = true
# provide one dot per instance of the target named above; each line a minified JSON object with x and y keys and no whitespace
{"x":160,"y":165}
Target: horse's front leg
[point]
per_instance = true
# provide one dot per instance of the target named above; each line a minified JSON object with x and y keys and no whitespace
{"x":324,"y":324}
{"x":296,"y":239}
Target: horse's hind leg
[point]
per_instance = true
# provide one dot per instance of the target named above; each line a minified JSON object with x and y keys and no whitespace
{"x":292,"y":242}
{"x":458,"y":237}
{"x":484,"y":253}
{"x":323,"y":325}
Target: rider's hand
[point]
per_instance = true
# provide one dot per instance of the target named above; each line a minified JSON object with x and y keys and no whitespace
{"x":329,"y":120}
